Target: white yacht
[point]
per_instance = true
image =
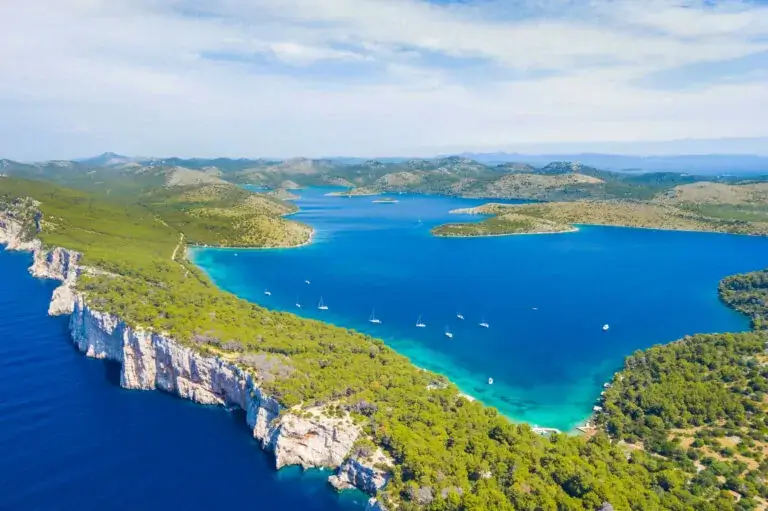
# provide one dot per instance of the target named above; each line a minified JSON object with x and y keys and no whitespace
{"x":460,"y":316}
{"x":321,"y":305}
{"x":484,"y":324}
{"x":373,"y":319}
{"x":606,"y":327}
{"x":448,"y":333}
{"x":307,"y":282}
{"x":420,"y":323}
{"x":268,"y":292}
{"x":490,"y":381}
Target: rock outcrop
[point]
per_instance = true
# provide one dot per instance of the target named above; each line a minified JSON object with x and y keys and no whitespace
{"x":155,"y":361}
{"x":57,"y":264}
{"x":151,"y":360}
{"x":12,"y":234}
{"x":369,"y":475}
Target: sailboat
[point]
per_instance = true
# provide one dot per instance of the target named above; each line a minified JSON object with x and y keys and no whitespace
{"x":420,"y":323}
{"x":373,"y":319}
{"x":484,"y":324}
{"x":606,"y":327}
{"x":460,"y":316}
{"x":321,"y":305}
{"x":268,"y":292}
{"x":298,"y":304}
{"x":448,"y":333}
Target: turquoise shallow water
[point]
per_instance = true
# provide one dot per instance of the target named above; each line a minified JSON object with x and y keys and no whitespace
{"x":545,"y":297}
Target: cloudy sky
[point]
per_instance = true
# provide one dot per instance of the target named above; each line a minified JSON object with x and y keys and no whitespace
{"x":376,"y":77}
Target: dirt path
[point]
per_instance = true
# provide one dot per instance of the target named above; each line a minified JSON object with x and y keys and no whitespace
{"x":181,"y":242}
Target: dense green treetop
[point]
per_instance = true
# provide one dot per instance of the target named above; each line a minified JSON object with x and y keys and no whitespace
{"x":449,"y":453}
{"x":701,"y":402}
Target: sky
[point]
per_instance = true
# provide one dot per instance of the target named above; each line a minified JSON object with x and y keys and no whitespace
{"x":282,"y":78}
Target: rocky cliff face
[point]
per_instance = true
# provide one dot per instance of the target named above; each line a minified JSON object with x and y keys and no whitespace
{"x":57,"y":264}
{"x":154,"y":361}
{"x":151,"y":360}
{"x":12,"y":234}
{"x":369,"y":475}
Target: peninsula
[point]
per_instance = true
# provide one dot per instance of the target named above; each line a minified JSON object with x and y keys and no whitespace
{"x":355,"y":192}
{"x":314,"y":394}
{"x":711,"y":207}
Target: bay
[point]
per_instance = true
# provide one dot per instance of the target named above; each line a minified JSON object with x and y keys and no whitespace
{"x":545,"y":297}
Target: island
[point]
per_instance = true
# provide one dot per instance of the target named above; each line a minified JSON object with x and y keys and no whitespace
{"x":282,"y":194}
{"x":501,"y":224}
{"x":317,"y":395}
{"x":355,"y":192}
{"x":736,"y":209}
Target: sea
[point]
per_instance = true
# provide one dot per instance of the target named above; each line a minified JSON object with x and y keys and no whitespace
{"x":545,"y":298}
{"x":71,"y":438}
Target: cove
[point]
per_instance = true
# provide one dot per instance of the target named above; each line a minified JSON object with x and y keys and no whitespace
{"x":72,"y":439}
{"x":545,"y":297}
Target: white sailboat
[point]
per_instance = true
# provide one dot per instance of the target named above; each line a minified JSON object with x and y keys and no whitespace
{"x":373,"y":319}
{"x":298,"y":305}
{"x":321,"y":305}
{"x":460,"y":316}
{"x":448,"y":333}
{"x":606,"y":327}
{"x":420,"y":323}
{"x":268,"y":292}
{"x":484,"y":324}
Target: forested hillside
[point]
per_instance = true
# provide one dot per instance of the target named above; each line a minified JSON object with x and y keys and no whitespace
{"x":702,"y":403}
{"x":452,"y":175}
{"x":449,"y":453}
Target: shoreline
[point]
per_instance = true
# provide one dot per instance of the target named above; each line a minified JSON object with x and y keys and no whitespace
{"x":575,"y":229}
{"x":662,"y":229}
{"x":219,"y":247}
{"x":154,"y":360}
{"x":351,"y":195}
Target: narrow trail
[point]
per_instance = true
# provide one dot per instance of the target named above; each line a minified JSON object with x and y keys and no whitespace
{"x":181,"y":242}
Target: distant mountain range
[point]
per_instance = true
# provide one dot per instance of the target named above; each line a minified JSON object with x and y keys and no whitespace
{"x":705,"y":164}
{"x":498,"y":175}
{"x":736,"y":164}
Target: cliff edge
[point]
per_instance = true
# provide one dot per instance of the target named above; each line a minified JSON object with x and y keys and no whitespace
{"x":152,"y":360}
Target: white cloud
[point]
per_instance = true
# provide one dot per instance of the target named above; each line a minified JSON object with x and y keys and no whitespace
{"x":154,"y":77}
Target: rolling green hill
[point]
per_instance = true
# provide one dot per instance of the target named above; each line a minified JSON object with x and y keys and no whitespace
{"x":450,"y":454}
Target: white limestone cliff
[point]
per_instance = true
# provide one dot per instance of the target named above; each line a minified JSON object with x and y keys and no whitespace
{"x":370,"y":474}
{"x":12,"y":235}
{"x":151,"y":360}
{"x":155,"y":361}
{"x":57,"y":264}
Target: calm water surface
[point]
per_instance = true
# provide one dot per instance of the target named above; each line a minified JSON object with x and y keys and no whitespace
{"x":72,"y":439}
{"x":546,"y":297}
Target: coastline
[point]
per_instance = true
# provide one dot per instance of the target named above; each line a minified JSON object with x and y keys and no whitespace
{"x":352,"y":195}
{"x":756,"y":235}
{"x":155,"y":343}
{"x":577,"y":225}
{"x":575,"y":229}
{"x":151,"y":360}
{"x":193,"y":247}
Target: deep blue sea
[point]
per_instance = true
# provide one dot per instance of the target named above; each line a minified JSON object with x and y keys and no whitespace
{"x":545,"y":297}
{"x":72,"y":439}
